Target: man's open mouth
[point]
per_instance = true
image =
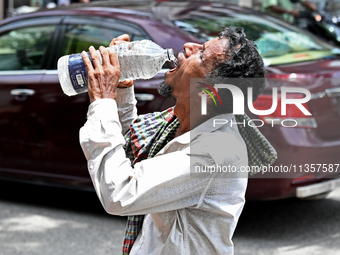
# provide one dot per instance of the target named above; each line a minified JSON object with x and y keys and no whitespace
{"x":176,"y":64}
{"x":173,"y":65}
{"x":173,"y":69}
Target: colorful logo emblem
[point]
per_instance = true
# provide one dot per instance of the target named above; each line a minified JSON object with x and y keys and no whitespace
{"x":209,"y":93}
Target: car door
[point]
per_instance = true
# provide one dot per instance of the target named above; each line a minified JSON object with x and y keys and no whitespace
{"x":25,"y":46}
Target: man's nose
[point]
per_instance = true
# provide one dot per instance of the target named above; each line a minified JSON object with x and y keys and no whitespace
{"x":192,"y":48}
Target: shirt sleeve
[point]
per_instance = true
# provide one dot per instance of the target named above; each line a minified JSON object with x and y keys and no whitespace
{"x":127,"y":110}
{"x":159,"y":184}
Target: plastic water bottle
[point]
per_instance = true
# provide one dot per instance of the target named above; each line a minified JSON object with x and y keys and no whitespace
{"x":138,"y":59}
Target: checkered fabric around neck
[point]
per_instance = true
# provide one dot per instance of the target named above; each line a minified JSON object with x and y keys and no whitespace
{"x":151,"y":132}
{"x":260,"y":151}
{"x":147,"y":136}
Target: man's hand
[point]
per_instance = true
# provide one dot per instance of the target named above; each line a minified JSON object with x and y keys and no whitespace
{"x":122,"y":39}
{"x":102,"y":78}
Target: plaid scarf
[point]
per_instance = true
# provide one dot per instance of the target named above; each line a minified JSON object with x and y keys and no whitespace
{"x":146,"y":137}
{"x":149,"y":133}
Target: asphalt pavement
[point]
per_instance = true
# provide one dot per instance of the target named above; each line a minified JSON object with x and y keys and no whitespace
{"x":290,"y":227}
{"x":38,"y":220}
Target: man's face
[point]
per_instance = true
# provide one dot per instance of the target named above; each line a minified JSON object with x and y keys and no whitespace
{"x":196,"y":61}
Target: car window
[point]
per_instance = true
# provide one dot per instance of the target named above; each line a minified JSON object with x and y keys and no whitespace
{"x":79,"y":37}
{"x":277,"y":43}
{"x":24,"y":48}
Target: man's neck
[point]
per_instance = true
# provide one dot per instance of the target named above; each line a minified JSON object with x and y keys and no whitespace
{"x":187,"y":121}
{"x":182,"y":112}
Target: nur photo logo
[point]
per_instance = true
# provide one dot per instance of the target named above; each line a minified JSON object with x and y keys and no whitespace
{"x":280,"y":100}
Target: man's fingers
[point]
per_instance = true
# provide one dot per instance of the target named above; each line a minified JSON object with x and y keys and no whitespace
{"x":105,"y":56}
{"x":95,"y":57}
{"x":102,"y":78}
{"x":87,"y":61}
{"x":124,"y":37}
{"x":120,"y":39}
{"x":113,"y":58}
{"x":125,"y":84}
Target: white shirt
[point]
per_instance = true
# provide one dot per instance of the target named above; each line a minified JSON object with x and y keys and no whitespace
{"x":188,"y":210}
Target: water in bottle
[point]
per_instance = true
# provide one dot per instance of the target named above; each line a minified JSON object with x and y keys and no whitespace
{"x":138,"y":60}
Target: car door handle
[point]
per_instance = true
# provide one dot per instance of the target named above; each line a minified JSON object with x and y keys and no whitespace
{"x":22,"y":92}
{"x":335,"y":92}
{"x":144,"y":97}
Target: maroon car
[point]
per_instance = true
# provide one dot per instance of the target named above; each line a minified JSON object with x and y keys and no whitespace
{"x":39,"y":125}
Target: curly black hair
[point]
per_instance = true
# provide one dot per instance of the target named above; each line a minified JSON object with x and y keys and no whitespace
{"x":243,"y":67}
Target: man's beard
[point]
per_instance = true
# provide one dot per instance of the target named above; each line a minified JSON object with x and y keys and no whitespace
{"x":165,"y":90}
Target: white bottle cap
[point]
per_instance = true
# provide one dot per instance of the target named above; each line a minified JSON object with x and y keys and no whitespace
{"x":64,"y":77}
